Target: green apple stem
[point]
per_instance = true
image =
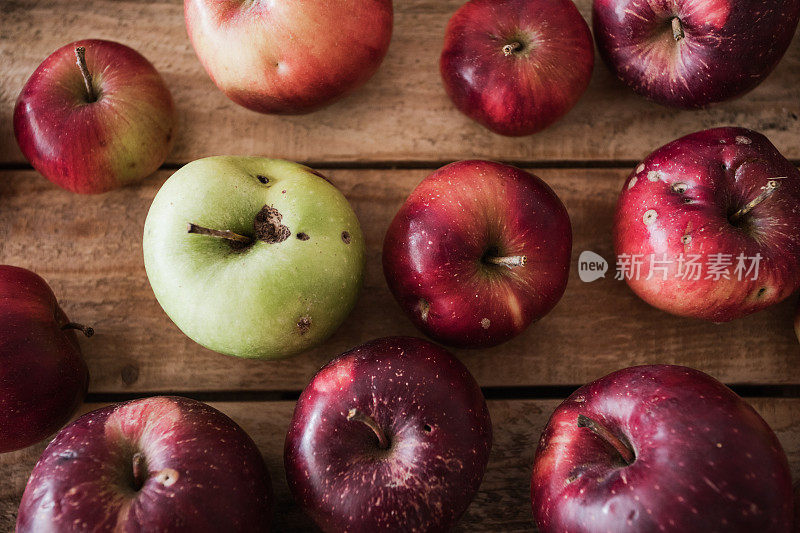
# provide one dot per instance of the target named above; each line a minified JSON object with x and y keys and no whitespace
{"x":510,"y":48}
{"x":358,"y":416}
{"x":219,"y":234}
{"x":510,"y":261}
{"x":139,"y":472}
{"x":769,"y":188}
{"x":88,"y":331}
{"x":623,"y":448}
{"x":80,"y":53}
{"x":677,"y":29}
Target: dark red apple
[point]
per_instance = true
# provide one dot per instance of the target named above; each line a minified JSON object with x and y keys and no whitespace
{"x":393,"y":435}
{"x":157,"y":464}
{"x":692,"y":53}
{"x":43,"y":377}
{"x":517,"y":66}
{"x":659,"y":448}
{"x":95,"y":115}
{"x":708,"y":226}
{"x":289,"y":57}
{"x":478,"y":251}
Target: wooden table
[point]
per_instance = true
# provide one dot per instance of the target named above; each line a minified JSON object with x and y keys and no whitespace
{"x":377,"y":144}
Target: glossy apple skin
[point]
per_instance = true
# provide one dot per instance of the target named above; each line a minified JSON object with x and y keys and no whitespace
{"x":729,"y":46}
{"x":434,"y":250}
{"x":289,"y":57}
{"x":43,"y":377}
{"x":201,"y":473}
{"x":526,"y":91}
{"x":705,"y":460}
{"x":120,"y":138}
{"x":722,"y":170}
{"x":438,"y":428}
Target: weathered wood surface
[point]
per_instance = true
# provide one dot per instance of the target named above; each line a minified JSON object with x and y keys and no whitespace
{"x":402,"y":114}
{"x":502,"y":504}
{"x":89,"y":249}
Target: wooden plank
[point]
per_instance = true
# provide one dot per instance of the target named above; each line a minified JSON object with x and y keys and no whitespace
{"x":501,"y":505}
{"x":89,"y":249}
{"x":402,"y":114}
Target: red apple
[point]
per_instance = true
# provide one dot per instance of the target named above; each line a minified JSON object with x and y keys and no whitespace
{"x":692,"y":53}
{"x":711,"y":222}
{"x":393,"y":435}
{"x":517,"y":66}
{"x":157,"y":464}
{"x":659,"y":448}
{"x":478,"y":251}
{"x":43,"y":377}
{"x":289,"y":57}
{"x":94,"y":116}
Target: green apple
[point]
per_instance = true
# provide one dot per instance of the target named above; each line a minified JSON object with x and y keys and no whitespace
{"x":253,"y":257}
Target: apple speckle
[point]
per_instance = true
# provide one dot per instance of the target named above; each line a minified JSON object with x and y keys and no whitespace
{"x":743,"y":140}
{"x":679,"y":187}
{"x":303,"y":236}
{"x":632,"y":182}
{"x":650,"y":217}
{"x":640,"y":168}
{"x":346,"y":237}
{"x":485,"y":323}
{"x":654,"y":175}
{"x":686,"y":239}
{"x":424,"y":309}
{"x":262,"y":179}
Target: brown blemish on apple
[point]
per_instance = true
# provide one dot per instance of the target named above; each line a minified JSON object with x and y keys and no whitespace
{"x":267,"y":226}
{"x":303,"y":236}
{"x":304,"y":324}
{"x":346,"y":237}
{"x":649,"y":217}
{"x":167,"y":477}
{"x":263,"y":179}
{"x":424,"y":309}
{"x":485,"y":323}
{"x":741,"y":139}
{"x":679,"y":187}
{"x":761,"y":292}
{"x":686,"y":239}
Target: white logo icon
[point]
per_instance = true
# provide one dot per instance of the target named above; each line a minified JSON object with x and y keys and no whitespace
{"x":591,"y":267}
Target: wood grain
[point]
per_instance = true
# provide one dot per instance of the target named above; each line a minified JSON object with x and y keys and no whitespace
{"x":503,"y":503}
{"x":402,"y":114}
{"x":89,"y":249}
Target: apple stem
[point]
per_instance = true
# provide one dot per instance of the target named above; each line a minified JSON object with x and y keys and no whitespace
{"x":623,"y":448}
{"x":769,"y":188}
{"x":220,"y":234}
{"x":510,"y":262}
{"x":138,"y":470}
{"x":358,"y":416}
{"x":511,"y":48}
{"x":677,"y":29}
{"x":80,"y":53}
{"x":88,"y":331}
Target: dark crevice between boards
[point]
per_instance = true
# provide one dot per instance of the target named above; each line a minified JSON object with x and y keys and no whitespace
{"x":544,"y":392}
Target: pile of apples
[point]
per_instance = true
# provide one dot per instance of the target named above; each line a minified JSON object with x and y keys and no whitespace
{"x":262,"y":258}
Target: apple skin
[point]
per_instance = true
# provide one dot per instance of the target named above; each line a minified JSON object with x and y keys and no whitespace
{"x":120,"y":138}
{"x":721,"y":171}
{"x":269,"y":300}
{"x":728,"y":47}
{"x":436,"y":249}
{"x":43,"y":377}
{"x":529,"y":89}
{"x":289,"y":57}
{"x":439,"y":433}
{"x":704,"y":459}
{"x":200,"y":472}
